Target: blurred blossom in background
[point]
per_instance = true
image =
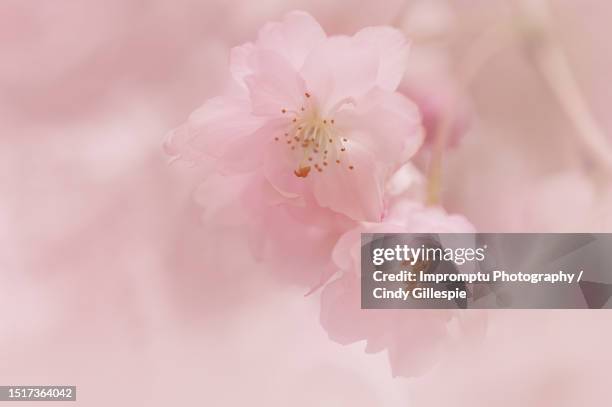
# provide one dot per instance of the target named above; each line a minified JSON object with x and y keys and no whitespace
{"x":138,"y":281}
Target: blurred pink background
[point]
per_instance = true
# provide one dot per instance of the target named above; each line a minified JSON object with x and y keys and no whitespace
{"x":110,"y":281}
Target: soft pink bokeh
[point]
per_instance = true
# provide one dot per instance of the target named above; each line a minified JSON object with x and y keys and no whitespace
{"x":111,"y":280}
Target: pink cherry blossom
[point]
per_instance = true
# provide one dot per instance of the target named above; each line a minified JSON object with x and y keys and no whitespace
{"x":412,"y":338}
{"x":314,"y":114}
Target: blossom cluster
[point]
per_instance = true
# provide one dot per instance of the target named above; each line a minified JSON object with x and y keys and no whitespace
{"x":311,"y":144}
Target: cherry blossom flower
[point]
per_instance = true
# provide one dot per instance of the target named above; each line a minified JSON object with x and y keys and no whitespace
{"x":412,"y":338}
{"x":316,"y":115}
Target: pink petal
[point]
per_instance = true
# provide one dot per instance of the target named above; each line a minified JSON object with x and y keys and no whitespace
{"x":305,"y":249}
{"x":387,"y":124}
{"x":341,"y":313}
{"x":239,"y":62}
{"x":280,"y":163}
{"x":347,"y":252}
{"x":293,"y":38}
{"x":356,"y":192}
{"x":392,"y":49}
{"x":247,"y":152}
{"x":219,"y":121}
{"x":417,"y":218}
{"x":275,"y":85}
{"x":339,"y":70}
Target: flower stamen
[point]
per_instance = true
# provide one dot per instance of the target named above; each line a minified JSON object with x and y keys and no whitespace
{"x":315,"y":136}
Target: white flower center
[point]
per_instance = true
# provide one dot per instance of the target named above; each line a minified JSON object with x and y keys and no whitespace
{"x":314,"y":139}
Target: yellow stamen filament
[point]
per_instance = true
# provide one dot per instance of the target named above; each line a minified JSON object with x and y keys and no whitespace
{"x":313,"y":134}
